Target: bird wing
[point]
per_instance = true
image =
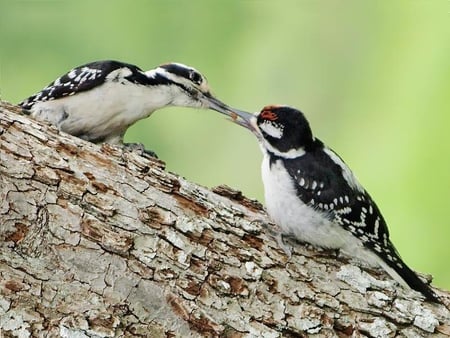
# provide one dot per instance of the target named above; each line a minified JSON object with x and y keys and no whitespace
{"x":77,"y":80}
{"x":325,"y":182}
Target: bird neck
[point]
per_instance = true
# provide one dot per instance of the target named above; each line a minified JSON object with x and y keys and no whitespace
{"x":275,"y":153}
{"x":292,"y":153}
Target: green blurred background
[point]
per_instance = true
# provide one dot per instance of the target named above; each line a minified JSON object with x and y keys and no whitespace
{"x":373,"y":77}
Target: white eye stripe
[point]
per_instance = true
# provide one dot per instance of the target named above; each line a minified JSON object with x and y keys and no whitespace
{"x":272,"y":129}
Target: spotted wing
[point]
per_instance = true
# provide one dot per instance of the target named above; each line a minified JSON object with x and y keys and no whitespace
{"x":77,"y":80}
{"x":326,"y":183}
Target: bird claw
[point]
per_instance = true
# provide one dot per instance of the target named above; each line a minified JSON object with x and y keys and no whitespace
{"x":140,"y":149}
{"x":280,"y":241}
{"x":276,"y":234}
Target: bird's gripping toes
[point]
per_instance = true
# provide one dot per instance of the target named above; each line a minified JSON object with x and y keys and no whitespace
{"x":98,"y":101}
{"x":312,"y":194}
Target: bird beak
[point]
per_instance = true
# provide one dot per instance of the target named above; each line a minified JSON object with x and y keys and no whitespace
{"x":243,"y":119}
{"x":237,"y":116}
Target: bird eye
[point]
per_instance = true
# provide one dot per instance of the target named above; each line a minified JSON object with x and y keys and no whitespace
{"x":195,"y":77}
{"x":268,"y":115}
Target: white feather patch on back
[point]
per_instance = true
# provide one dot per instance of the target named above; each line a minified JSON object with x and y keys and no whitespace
{"x":346,"y":172}
{"x":119,"y":73}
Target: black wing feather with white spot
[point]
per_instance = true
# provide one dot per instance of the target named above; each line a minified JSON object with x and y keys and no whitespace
{"x":320,"y":183}
{"x":80,"y":79}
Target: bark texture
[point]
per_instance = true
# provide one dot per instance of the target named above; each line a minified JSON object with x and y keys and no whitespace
{"x":101,"y":242}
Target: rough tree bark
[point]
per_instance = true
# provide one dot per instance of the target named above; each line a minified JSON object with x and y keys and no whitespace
{"x":101,"y":242}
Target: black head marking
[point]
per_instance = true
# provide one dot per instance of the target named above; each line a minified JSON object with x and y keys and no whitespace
{"x":184,"y":71}
{"x":284,"y":128}
{"x":196,"y":77}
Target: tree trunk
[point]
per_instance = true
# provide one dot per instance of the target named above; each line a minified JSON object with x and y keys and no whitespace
{"x":97,"y":241}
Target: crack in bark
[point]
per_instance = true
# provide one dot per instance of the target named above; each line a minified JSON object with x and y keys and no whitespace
{"x":103,"y":241}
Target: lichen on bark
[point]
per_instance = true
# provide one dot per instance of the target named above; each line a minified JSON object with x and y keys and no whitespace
{"x":97,"y":241}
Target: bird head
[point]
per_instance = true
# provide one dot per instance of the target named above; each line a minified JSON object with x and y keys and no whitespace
{"x":189,"y":87}
{"x":281,"y":130}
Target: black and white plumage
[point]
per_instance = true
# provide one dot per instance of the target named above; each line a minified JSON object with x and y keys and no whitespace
{"x":312,"y":194}
{"x":98,"y":101}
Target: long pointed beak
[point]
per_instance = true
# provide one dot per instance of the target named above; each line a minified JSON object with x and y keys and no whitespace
{"x":237,"y":116}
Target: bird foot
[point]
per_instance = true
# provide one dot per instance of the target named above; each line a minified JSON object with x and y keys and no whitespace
{"x":276,"y":233}
{"x":140,"y":149}
{"x":279,"y":237}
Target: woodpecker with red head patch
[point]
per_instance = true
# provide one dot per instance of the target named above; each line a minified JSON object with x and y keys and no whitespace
{"x":312,"y":194}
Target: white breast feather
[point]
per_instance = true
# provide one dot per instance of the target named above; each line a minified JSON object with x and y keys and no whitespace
{"x":305,"y":223}
{"x":105,"y":110}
